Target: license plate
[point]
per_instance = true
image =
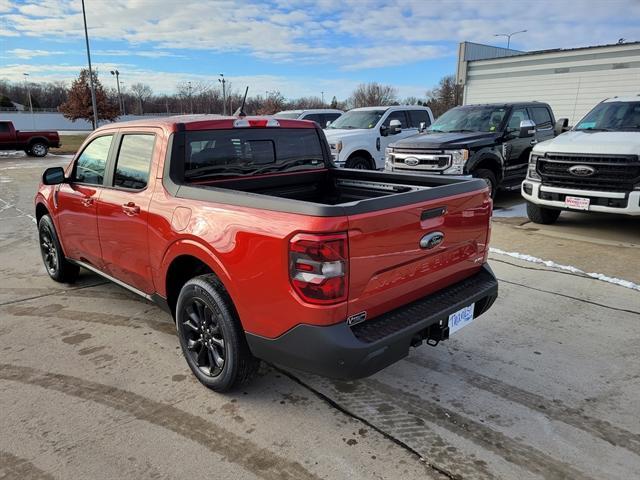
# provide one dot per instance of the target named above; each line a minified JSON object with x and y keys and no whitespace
{"x":577,"y":203}
{"x":461,"y":318}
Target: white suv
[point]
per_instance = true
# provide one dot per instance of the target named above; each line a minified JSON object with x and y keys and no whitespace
{"x":358,"y":139}
{"x":322,"y":116}
{"x":593,"y":167}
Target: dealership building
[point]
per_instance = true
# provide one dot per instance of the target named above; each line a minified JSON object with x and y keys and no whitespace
{"x":572,"y":80}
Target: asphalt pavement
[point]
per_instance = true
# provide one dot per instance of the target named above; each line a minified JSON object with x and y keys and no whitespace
{"x":545,"y":385}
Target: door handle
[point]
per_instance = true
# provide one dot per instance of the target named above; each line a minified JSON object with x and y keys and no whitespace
{"x":130,"y":208}
{"x":87,"y":201}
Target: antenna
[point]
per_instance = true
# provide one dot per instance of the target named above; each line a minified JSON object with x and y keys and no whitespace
{"x":240,"y":111}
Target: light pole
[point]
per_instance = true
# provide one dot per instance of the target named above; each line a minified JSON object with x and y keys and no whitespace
{"x":322,"y":98}
{"x":224,"y":93}
{"x":508,"y":35}
{"x":33,"y":119}
{"x":93,"y":90}
{"x":117,"y":73}
{"x":190,"y":99}
{"x":124,"y":106}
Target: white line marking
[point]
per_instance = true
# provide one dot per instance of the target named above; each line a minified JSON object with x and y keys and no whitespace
{"x":21,"y":212}
{"x":568,"y":268}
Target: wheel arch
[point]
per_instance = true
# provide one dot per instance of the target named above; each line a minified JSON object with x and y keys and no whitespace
{"x":184,"y":260}
{"x":33,"y":140}
{"x":363,"y":152}
{"x":488,"y":161}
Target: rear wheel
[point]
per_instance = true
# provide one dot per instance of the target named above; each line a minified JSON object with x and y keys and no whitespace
{"x":211,"y":336}
{"x":38,"y":149}
{"x":489,"y":177}
{"x":538,"y":214}
{"x":359,"y":163}
{"x":58,"y":267}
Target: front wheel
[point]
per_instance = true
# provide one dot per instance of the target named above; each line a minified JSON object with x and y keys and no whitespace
{"x":542,"y":215}
{"x":489,"y":177}
{"x":38,"y":149}
{"x":359,"y":163}
{"x":211,"y":336}
{"x":58,"y":267}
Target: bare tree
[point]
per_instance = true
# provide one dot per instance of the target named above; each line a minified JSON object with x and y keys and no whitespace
{"x":445,"y":96}
{"x":142,"y":92}
{"x":372,"y":94}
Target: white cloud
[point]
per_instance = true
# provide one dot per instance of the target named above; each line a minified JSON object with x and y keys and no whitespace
{"x":27,"y":53}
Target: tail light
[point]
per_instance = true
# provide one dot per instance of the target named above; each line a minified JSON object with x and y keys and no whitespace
{"x":318,"y":267}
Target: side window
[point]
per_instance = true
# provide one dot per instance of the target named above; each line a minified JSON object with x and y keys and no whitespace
{"x":398,"y":115}
{"x":92,"y":162}
{"x":329,"y":117}
{"x":4,"y":127}
{"x":517,"y":116}
{"x":541,"y":117}
{"x":134,"y":160}
{"x":314,"y":117}
{"x":418,"y":116}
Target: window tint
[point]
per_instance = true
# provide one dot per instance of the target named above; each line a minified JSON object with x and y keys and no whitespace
{"x":329,"y":117}
{"x":542,"y":117}
{"x":416,"y":117}
{"x":314,"y":117}
{"x":91,"y":164}
{"x":517,"y":116}
{"x":244,"y":151}
{"x":4,"y":127}
{"x":398,"y":115}
{"x":134,"y":159}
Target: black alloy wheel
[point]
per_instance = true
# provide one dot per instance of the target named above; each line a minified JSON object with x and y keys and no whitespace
{"x":203,"y":337}
{"x":48,"y":251}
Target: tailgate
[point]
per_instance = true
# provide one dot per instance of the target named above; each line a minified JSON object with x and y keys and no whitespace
{"x":389,"y":268}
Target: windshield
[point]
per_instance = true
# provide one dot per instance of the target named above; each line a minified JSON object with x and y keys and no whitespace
{"x":248,"y":151}
{"x":470,"y":119}
{"x":358,"y":119}
{"x":611,"y":116}
{"x":287,"y":114}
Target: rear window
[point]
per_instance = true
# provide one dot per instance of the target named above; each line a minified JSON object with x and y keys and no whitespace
{"x":238,"y":152}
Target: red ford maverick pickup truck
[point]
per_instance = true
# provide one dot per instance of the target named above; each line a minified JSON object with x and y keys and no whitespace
{"x":245,"y":232}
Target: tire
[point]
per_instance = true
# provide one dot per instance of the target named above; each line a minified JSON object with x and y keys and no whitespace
{"x":57,"y":266}
{"x":211,"y":337}
{"x":38,"y":149}
{"x":489,"y":177}
{"x":542,"y":215}
{"x":359,"y":163}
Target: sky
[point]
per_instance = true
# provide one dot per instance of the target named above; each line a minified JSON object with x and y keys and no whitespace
{"x":297,"y":47}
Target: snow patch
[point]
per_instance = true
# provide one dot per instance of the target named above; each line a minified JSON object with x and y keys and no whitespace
{"x":567,"y":268}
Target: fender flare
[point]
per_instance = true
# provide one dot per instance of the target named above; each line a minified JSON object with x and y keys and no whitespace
{"x":483,"y":156}
{"x":33,"y":140}
{"x":358,"y":148}
{"x":196,"y":249}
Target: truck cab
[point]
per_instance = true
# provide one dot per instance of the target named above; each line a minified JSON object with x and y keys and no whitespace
{"x":595,"y":167}
{"x":358,"y":139}
{"x":491,"y":142}
{"x":322,"y":116}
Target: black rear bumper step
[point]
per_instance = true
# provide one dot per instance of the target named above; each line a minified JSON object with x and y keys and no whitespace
{"x":343,"y":352}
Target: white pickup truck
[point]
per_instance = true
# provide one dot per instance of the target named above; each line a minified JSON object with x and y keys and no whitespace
{"x":358,"y":138}
{"x":593,"y":167}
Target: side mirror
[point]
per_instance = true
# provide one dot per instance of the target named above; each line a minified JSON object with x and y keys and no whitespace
{"x":395,"y":127}
{"x":527,"y":129}
{"x":562,"y":125}
{"x":53,"y":176}
{"x":422,"y":127}
{"x":327,"y":124}
{"x":384,"y":131}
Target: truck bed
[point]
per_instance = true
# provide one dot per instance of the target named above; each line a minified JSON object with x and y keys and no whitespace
{"x":326,"y":192}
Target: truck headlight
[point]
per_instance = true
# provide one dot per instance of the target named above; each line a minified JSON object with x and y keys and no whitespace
{"x":388,"y":159}
{"x":337,"y":147}
{"x":458,"y":160}
{"x":532,"y":174}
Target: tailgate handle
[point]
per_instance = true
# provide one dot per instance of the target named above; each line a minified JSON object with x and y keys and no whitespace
{"x":432,"y":213}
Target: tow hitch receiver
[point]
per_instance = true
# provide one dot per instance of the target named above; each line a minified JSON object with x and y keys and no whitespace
{"x":433,"y":334}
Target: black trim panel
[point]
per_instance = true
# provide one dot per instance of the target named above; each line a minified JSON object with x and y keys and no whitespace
{"x":338,"y":351}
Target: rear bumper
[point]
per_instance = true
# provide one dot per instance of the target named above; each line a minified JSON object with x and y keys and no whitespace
{"x":343,"y":352}
{"x":625,"y":203}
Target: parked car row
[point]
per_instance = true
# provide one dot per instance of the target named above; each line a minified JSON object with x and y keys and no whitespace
{"x":511,"y":146}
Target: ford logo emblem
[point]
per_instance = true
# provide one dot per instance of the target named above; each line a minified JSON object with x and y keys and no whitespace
{"x":582,"y":170}
{"x":411,"y":161}
{"x":431,"y":240}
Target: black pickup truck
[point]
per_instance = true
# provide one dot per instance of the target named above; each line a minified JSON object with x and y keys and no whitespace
{"x":491,"y":142}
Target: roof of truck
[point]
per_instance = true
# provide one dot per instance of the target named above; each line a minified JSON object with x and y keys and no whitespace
{"x":388,"y":107}
{"x":204,"y":122}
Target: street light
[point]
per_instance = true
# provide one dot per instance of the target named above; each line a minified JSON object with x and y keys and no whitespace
{"x":93,"y":90}
{"x":190,"y":99}
{"x":322,"y":98}
{"x":116,"y":73}
{"x":224,"y":94}
{"x":508,"y":35}
{"x":33,"y":119}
